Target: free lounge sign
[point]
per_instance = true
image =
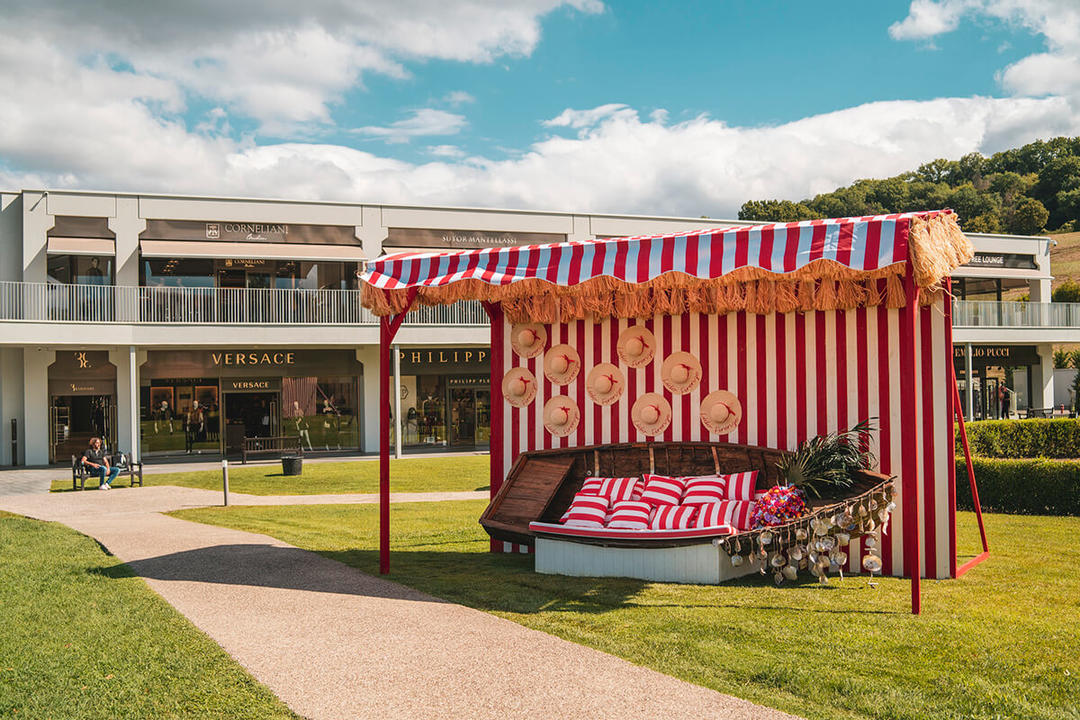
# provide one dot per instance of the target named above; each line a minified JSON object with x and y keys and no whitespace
{"x":225,"y":231}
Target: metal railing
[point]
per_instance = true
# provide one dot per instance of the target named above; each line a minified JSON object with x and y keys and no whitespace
{"x":50,"y":302}
{"x":990,"y":313}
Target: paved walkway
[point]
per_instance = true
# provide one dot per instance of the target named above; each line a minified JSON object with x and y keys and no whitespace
{"x":332,"y":642}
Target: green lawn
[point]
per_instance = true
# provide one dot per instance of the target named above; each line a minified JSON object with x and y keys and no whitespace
{"x":83,"y":638}
{"x":999,"y":643}
{"x":415,"y":474}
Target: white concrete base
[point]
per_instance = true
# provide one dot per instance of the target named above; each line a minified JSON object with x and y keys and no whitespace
{"x":699,"y":564}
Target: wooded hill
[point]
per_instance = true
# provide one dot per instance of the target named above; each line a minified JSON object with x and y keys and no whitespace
{"x":1024,"y":191}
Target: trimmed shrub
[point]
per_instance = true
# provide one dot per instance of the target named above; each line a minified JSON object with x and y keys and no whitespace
{"x":1039,"y":487}
{"x":1035,"y":438}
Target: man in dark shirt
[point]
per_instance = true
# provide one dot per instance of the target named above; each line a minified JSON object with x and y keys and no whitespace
{"x":97,"y":462}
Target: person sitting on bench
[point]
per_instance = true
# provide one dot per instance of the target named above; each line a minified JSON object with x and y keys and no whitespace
{"x":95,"y":459}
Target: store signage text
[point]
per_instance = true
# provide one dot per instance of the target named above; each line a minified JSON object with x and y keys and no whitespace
{"x":424,"y":238}
{"x":232,"y":359}
{"x":255,"y":232}
{"x":443,"y":357}
{"x":1014,"y":261}
{"x":249,"y":384}
{"x":83,"y":388}
{"x":988,"y":354}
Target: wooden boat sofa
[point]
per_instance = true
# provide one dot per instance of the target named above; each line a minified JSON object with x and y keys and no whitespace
{"x":541,"y":485}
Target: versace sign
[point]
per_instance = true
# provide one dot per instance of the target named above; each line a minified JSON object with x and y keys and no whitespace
{"x":232,"y":359}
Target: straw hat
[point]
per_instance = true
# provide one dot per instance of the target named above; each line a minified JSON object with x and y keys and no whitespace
{"x":561,"y":416}
{"x":528,"y":339}
{"x":651,"y":414}
{"x":637,"y":345}
{"x":720,"y":412}
{"x":605,"y":384}
{"x":562,"y":364}
{"x":519,"y":386}
{"x":681,"y":372}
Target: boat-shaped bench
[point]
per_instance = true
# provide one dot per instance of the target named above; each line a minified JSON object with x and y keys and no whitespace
{"x":541,"y":485}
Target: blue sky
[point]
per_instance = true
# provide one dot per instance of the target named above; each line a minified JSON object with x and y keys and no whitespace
{"x":658,"y":108}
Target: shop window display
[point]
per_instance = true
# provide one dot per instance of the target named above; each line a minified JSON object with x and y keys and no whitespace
{"x":180,"y":416}
{"x":321,"y":412}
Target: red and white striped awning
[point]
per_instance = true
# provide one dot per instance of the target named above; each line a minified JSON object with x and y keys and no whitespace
{"x":859,"y":249}
{"x":861,"y":244}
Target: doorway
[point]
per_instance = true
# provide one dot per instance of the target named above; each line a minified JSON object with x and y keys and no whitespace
{"x":250,"y":415}
{"x":74,"y":419}
{"x":470,"y":417}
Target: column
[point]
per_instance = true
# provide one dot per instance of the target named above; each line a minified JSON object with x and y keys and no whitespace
{"x":1043,"y":378}
{"x":11,"y":405}
{"x":35,"y":431}
{"x":368,"y":356}
{"x":127,"y":361}
{"x":127,"y":225}
{"x":397,"y":400}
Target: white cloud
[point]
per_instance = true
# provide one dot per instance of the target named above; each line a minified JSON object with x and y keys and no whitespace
{"x":280,"y":62}
{"x":927,"y":19}
{"x":447,"y":151}
{"x":458,"y":97}
{"x":421,"y":123}
{"x":586,"y":118}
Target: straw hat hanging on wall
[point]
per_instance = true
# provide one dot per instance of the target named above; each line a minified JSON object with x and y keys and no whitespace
{"x":605,"y":384}
{"x":681,"y":372}
{"x":562,"y":364}
{"x":651,"y":414}
{"x":528,"y":339}
{"x":721,"y":412}
{"x":519,"y":387}
{"x":637,"y":346}
{"x":561,"y":416}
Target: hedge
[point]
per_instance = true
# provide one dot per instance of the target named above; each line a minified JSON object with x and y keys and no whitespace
{"x":1035,"y":438}
{"x":1039,"y":487}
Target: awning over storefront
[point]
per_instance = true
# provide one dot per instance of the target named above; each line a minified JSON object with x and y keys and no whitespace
{"x":269,"y":251}
{"x":80,"y":246}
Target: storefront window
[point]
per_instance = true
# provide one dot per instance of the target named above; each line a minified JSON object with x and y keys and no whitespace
{"x":180,"y":416}
{"x":178,"y":272}
{"x":80,"y":269}
{"x":248,"y":273}
{"x":321,"y":411}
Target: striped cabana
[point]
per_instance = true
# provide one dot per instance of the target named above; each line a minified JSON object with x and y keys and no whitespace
{"x":814,"y":325}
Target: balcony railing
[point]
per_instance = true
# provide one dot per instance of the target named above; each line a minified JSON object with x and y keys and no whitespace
{"x":990,"y":313}
{"x":49,"y":302}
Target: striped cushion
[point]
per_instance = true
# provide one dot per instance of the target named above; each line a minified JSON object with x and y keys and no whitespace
{"x":630,"y":516}
{"x":618,"y":489}
{"x":663,"y":490}
{"x":740,"y":486}
{"x":587,"y":511}
{"x":591,"y":486}
{"x":704,"y":489}
{"x":726,"y":512}
{"x":673,"y":517}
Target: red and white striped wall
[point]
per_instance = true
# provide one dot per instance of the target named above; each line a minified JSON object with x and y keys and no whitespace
{"x":796,"y":374}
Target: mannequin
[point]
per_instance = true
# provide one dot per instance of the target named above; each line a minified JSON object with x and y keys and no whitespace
{"x":302,"y":426}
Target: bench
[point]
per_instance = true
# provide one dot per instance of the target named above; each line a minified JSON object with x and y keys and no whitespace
{"x":282,"y":445}
{"x":80,"y":473}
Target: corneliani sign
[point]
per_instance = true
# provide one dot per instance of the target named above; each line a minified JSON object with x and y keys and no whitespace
{"x":249,"y":232}
{"x":465,"y":239}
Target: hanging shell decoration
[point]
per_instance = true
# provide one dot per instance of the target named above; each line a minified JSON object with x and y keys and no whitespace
{"x":820,"y":542}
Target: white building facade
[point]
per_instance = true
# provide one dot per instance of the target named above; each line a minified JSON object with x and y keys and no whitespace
{"x":175,"y":325}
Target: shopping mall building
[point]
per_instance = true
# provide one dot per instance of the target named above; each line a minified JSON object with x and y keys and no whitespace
{"x":175,"y":325}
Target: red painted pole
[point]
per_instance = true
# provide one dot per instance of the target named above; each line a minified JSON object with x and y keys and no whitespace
{"x":385,"y":337}
{"x":495,"y":447}
{"x":911,"y":459}
{"x":970,"y":469}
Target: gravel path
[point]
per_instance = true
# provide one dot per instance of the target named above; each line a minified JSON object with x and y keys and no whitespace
{"x":332,"y":642}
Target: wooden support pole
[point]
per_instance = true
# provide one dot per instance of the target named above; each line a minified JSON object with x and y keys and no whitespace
{"x":388,"y":327}
{"x":911,"y":460}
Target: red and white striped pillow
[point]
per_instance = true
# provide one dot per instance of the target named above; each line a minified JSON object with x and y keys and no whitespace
{"x":630,"y":516}
{"x":726,"y":512}
{"x":618,"y":489}
{"x":586,"y":511}
{"x":673,"y":517}
{"x":591,"y":486}
{"x":704,"y":489}
{"x":663,"y":490}
{"x":740,"y":486}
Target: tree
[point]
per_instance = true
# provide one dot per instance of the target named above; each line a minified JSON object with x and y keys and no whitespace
{"x":1068,"y":207}
{"x":937,"y":171}
{"x":1068,"y":291}
{"x":1009,"y":185}
{"x":775,"y":211}
{"x":969,"y":202}
{"x":1061,"y":358}
{"x":1027,"y":218}
{"x":985,"y":223}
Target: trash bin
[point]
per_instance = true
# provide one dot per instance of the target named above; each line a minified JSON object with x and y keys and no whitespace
{"x":292,"y":464}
